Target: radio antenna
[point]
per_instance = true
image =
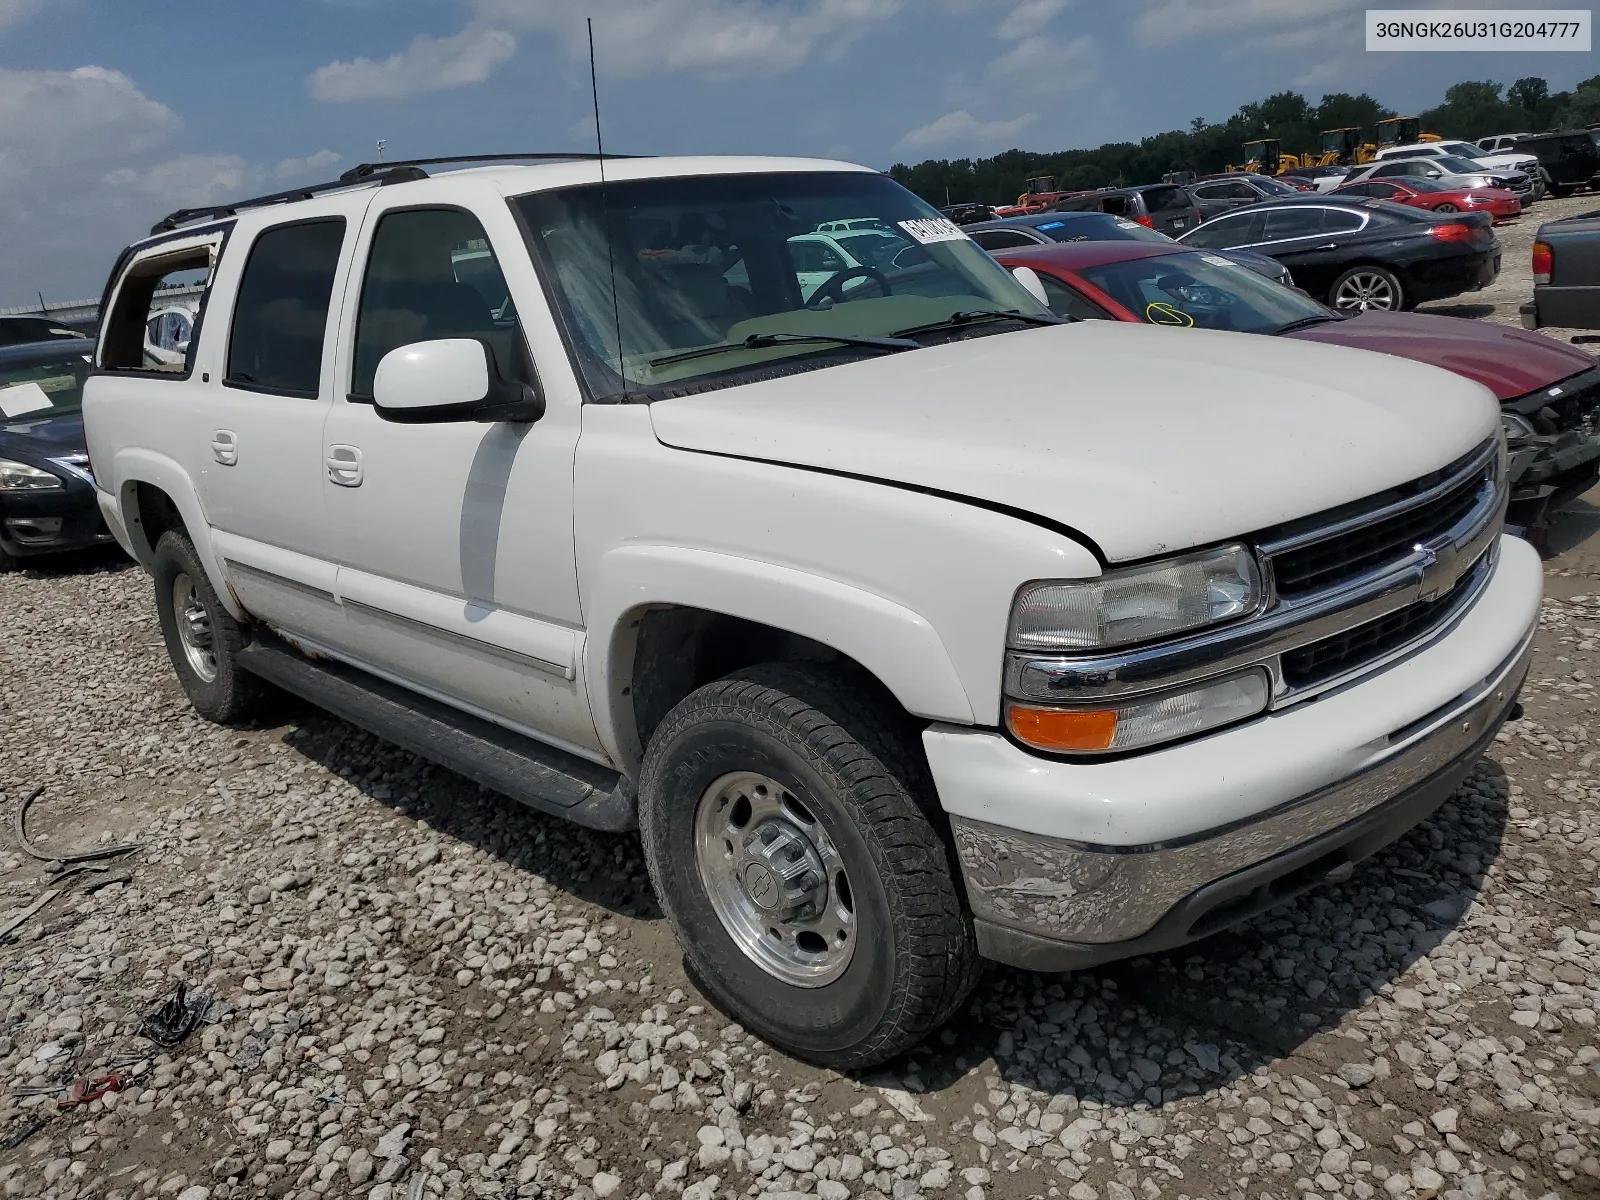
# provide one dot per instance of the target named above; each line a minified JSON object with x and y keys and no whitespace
{"x":605,"y":210}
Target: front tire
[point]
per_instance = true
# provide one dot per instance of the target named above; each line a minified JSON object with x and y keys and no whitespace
{"x":203,"y":640}
{"x":790,"y":832}
{"x":1366,"y":287}
{"x":1445,"y":208}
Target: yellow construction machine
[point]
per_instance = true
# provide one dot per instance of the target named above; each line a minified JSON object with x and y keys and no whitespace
{"x":1264,"y":156}
{"x":1403,"y":131}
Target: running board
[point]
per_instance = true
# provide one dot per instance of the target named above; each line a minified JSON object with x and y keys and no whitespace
{"x":540,"y":776}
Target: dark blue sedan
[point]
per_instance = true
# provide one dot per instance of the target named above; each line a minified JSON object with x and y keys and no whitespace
{"x":47,"y":495}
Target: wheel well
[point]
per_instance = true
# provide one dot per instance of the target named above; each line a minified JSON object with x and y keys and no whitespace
{"x":153,"y":514}
{"x":678,"y":649}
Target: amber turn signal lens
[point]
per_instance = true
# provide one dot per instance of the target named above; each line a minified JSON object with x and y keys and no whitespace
{"x":1055,"y":729}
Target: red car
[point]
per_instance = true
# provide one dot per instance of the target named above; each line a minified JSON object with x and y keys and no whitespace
{"x":1427,"y":193}
{"x":1549,"y":391}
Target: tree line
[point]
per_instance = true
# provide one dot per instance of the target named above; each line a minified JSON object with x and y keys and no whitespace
{"x":1471,"y":110}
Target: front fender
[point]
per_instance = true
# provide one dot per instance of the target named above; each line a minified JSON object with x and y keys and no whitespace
{"x":132,"y":466}
{"x":900,"y":647}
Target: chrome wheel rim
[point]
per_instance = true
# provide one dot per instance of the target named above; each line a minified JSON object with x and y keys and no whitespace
{"x":194,"y":628}
{"x":1364,"y":290}
{"x":775,"y":879}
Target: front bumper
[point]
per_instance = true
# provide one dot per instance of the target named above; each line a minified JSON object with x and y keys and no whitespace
{"x":50,"y":522}
{"x":1036,"y":900}
{"x":1069,"y":864}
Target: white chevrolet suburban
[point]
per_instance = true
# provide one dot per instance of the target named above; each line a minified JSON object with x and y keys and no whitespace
{"x":910,"y":625}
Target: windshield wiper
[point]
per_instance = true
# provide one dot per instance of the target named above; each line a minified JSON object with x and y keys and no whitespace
{"x":958,"y":320}
{"x":761,"y":341}
{"x":1305,"y":323}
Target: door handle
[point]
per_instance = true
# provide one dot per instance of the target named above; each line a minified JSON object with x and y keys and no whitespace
{"x":225,"y":447}
{"x":1329,"y":246}
{"x":344,"y":466}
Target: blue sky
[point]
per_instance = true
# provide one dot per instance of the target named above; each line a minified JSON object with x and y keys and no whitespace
{"x":113,"y":113}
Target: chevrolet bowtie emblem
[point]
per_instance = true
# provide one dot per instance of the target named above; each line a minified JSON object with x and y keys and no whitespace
{"x":1438,"y":573}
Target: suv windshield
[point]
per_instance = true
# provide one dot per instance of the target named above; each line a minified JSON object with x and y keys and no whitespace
{"x":43,"y":385}
{"x":721,"y":263}
{"x":1462,"y":150}
{"x":1204,"y":290}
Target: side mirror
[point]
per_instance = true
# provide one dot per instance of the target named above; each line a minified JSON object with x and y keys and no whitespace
{"x":1029,"y":278}
{"x":449,"y":379}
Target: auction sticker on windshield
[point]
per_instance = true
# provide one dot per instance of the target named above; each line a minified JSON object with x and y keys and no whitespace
{"x":928,"y":230}
{"x":1216,"y":260}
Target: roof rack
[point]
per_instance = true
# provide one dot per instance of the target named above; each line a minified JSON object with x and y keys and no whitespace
{"x":365,"y":171}
{"x":379,"y":173}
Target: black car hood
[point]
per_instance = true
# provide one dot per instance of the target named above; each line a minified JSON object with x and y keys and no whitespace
{"x":42,"y":436}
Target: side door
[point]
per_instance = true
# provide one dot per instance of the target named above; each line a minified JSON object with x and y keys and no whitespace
{"x":455,"y":540}
{"x":1291,"y":235}
{"x":267,"y":382}
{"x":1323,"y":258}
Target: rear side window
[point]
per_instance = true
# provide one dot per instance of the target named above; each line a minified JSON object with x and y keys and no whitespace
{"x":1338,"y":221}
{"x":1285,"y":223}
{"x":280,"y":319}
{"x":1162,"y":199}
{"x":154,"y":320}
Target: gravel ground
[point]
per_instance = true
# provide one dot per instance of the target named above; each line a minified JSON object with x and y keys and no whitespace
{"x":404,"y":987}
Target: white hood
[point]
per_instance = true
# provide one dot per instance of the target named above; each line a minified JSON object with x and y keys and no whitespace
{"x":1146,"y":440}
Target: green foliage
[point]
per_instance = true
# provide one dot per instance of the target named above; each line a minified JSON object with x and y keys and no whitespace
{"x":1582,"y":107}
{"x":1472,"y":109}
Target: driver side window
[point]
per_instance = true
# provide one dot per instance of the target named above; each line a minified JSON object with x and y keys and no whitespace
{"x":431,"y":273}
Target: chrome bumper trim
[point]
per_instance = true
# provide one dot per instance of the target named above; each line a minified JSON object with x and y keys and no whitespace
{"x":1083,"y":893}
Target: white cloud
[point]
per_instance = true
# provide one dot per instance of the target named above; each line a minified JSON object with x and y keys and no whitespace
{"x":87,"y":163}
{"x":717,"y":38}
{"x":961,"y":131}
{"x":1176,"y":20}
{"x":427,"y":65}
{"x":188,"y":181}
{"x":290,"y":168}
{"x":1029,"y":17}
{"x":1041,"y":66}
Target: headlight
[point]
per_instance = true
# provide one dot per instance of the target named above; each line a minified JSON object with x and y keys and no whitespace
{"x":1139,"y":604}
{"x":20,"y":477}
{"x":1517,"y":426}
{"x":1141,"y":720}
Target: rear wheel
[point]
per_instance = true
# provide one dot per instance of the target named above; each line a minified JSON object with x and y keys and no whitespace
{"x":1445,"y":208}
{"x":791,"y":835}
{"x":1561,"y":191}
{"x":203,"y":640}
{"x":1365,"y":287}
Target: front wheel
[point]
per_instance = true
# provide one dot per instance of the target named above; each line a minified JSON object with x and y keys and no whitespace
{"x":1445,"y":208}
{"x":1367,"y":286}
{"x":203,"y":640}
{"x":789,"y":829}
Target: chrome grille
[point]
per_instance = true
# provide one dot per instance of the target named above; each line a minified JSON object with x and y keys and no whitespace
{"x":1354,"y":648}
{"x":1341,"y":547}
